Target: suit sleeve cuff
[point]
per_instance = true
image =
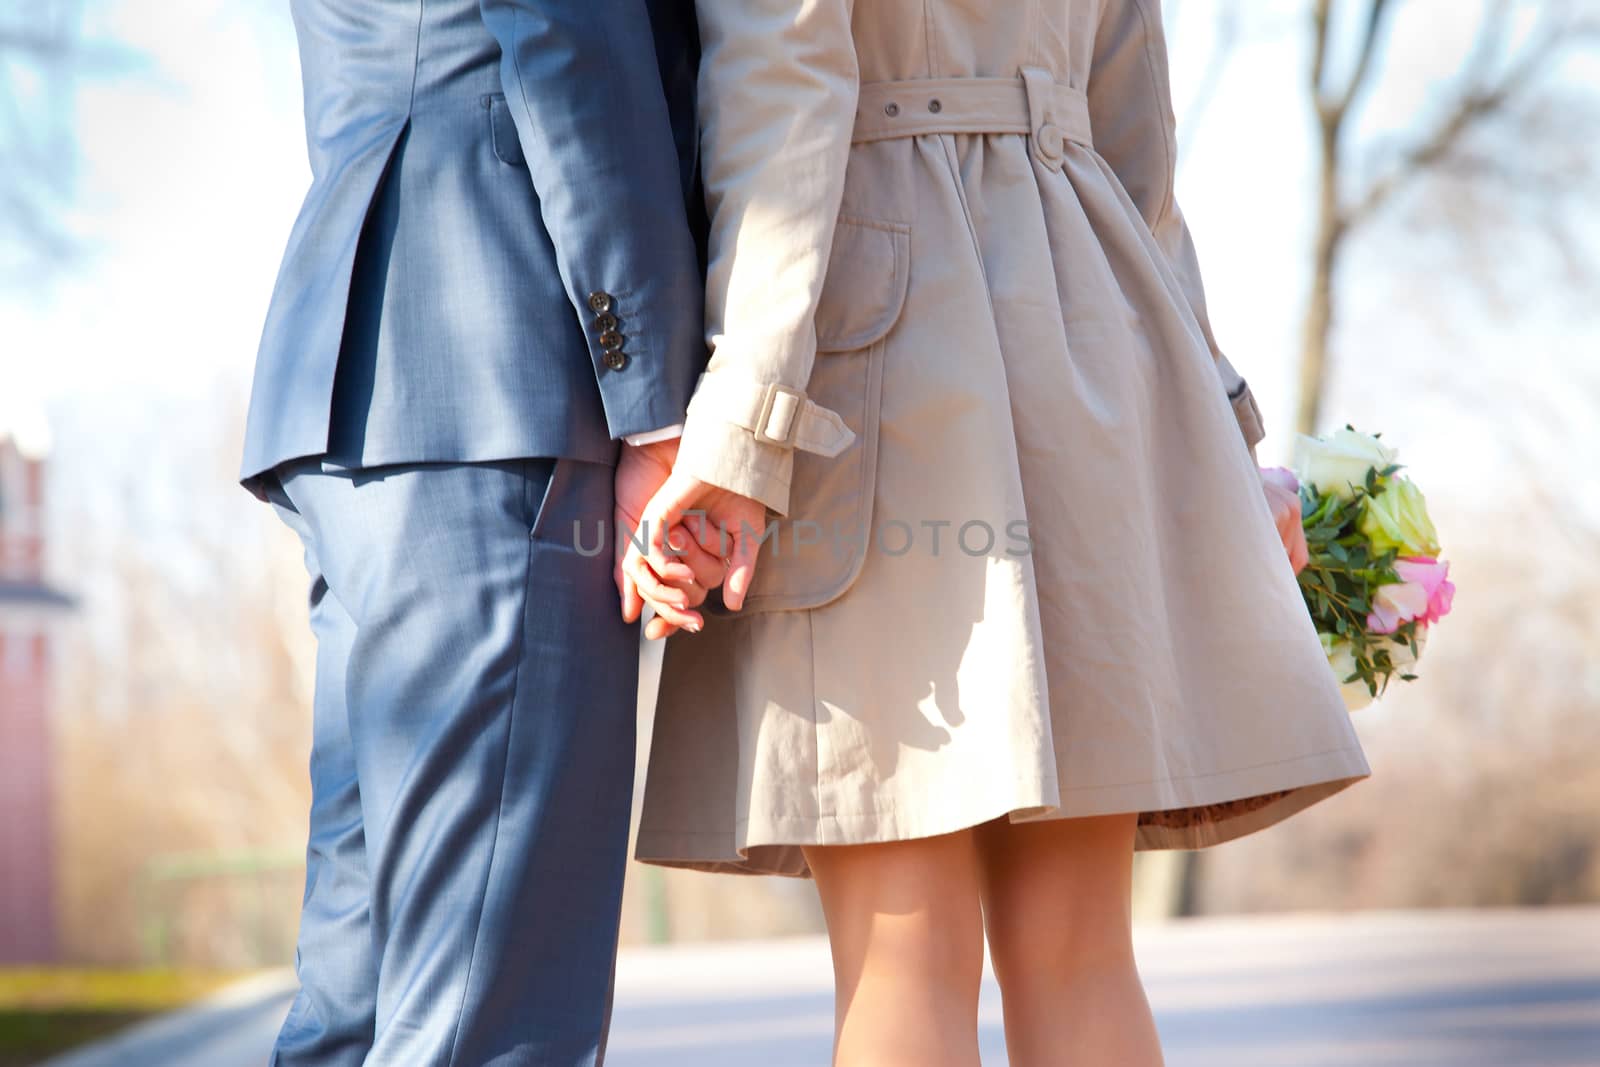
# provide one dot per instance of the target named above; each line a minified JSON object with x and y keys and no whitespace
{"x":666,"y":433}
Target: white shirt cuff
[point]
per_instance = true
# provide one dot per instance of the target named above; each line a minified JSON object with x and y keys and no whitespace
{"x":650,"y":437}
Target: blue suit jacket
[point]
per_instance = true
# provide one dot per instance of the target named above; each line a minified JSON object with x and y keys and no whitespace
{"x":498,"y":256}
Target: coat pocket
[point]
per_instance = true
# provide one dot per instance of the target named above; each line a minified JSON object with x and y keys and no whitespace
{"x":503,"y":131}
{"x":813,"y":555}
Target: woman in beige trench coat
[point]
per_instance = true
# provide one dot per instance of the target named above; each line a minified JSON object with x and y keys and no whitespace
{"x":1023,"y":608}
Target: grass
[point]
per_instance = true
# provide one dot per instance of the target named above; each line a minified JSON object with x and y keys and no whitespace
{"x":46,"y":1011}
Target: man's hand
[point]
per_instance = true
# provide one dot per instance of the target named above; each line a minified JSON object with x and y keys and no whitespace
{"x":684,"y":579}
{"x":1283,"y":496}
{"x":725,"y":525}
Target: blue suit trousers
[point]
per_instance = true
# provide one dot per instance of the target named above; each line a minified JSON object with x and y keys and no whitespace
{"x":472,"y":764}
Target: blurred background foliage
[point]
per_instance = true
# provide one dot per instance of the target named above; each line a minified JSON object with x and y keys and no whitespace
{"x":43,"y":1012}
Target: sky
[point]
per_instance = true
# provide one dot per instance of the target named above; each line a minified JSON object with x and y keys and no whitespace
{"x":193,"y":168}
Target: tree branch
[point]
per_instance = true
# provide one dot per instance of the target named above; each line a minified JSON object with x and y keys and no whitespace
{"x":1369,"y":46}
{"x":1332,"y":108}
{"x":1320,"y":32}
{"x":34,"y":44}
{"x":1471,"y":109}
{"x":1491,"y":34}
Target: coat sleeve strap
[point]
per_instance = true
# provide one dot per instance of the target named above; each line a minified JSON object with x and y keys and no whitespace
{"x":774,"y":413}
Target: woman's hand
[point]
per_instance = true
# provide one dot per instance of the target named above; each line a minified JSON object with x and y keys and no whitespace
{"x":727,"y":527}
{"x":1283,"y":497}
{"x":687,"y":575}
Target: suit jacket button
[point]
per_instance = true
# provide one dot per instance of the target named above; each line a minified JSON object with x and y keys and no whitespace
{"x":610,"y":340}
{"x":605,"y":321}
{"x":616,"y":359}
{"x":600,"y":301}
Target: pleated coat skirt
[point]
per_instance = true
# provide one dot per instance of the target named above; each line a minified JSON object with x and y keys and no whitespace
{"x":1043,"y":581}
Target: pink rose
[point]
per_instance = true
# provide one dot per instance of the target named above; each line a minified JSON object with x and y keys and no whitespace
{"x":1424,"y":593}
{"x":1432,"y":575}
{"x":1394,"y":604}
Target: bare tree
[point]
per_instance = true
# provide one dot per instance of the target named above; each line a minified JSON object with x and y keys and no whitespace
{"x":44,"y":54}
{"x":37,"y":43}
{"x":1497,"y":78}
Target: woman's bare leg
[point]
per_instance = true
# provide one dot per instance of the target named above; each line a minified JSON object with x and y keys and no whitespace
{"x":905,"y":922}
{"x":1057,"y":903}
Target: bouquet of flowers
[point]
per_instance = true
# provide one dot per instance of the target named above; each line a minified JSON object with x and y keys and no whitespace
{"x":1374,"y":581}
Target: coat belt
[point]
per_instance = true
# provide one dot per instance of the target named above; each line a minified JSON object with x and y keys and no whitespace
{"x":1032,"y":104}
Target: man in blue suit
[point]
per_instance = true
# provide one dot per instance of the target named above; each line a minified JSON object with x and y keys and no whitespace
{"x":494,"y":280}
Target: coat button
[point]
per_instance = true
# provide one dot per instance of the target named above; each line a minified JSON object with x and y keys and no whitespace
{"x":891,"y":109}
{"x":611,"y":340}
{"x":615,"y":359}
{"x":605,"y":321}
{"x":600,"y":301}
{"x":1049,"y":143}
{"x":935,"y":106}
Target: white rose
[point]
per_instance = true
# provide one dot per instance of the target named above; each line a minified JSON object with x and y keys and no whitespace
{"x":1340,"y":461}
{"x":1343,"y":662}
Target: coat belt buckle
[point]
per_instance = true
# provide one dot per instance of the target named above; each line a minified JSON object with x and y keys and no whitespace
{"x":783,"y":406}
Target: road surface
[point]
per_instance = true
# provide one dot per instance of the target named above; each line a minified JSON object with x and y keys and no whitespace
{"x":1438,"y":989}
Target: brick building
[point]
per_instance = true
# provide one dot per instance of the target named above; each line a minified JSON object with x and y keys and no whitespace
{"x":28,"y":608}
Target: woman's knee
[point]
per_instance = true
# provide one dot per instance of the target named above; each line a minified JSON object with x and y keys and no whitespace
{"x":1057,"y":896}
{"x":908,"y":911}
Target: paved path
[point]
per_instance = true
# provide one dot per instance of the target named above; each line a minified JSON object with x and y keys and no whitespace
{"x":1445,"y":989}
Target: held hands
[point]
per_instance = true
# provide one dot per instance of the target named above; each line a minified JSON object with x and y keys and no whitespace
{"x":641,"y":471}
{"x":1283,"y":497}
{"x":685,"y":537}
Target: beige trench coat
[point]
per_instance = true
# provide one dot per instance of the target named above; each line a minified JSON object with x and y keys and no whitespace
{"x":1024,"y":566}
